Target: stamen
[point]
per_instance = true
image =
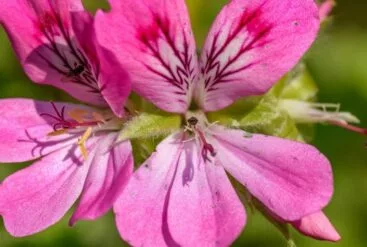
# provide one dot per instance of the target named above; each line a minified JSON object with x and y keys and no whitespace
{"x":198,"y":125}
{"x":192,"y":121}
{"x":77,"y":115}
{"x":98,"y":117}
{"x":83,"y":140}
{"x":207,"y":147}
{"x":79,"y":118}
{"x":57,"y":132}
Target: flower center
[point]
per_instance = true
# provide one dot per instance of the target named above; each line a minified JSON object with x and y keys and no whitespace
{"x":77,"y":118}
{"x":81,"y":122}
{"x":197,"y":124}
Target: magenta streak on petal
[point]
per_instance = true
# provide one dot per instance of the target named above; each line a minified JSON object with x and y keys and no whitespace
{"x":250,"y":23}
{"x":81,"y":72}
{"x":165,"y":227}
{"x":149,"y":36}
{"x":41,"y":145}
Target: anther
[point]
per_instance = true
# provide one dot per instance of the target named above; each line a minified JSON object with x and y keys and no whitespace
{"x":83,"y":140}
{"x":192,"y":121}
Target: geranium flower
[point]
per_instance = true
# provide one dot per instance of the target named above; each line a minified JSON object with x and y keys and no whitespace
{"x":182,"y":195}
{"x":73,"y":145}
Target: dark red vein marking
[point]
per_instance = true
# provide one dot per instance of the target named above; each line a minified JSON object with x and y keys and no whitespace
{"x":51,"y":25}
{"x":182,"y":74}
{"x":248,"y":21}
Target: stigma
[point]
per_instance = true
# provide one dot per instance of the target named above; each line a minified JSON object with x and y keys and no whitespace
{"x":197,"y":124}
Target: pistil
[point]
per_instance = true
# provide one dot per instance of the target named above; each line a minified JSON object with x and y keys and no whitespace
{"x":197,"y":124}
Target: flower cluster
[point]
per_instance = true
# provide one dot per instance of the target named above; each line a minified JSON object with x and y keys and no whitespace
{"x":190,"y":189}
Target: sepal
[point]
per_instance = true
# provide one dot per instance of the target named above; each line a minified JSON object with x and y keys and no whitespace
{"x":147,"y":125}
{"x":267,"y":118}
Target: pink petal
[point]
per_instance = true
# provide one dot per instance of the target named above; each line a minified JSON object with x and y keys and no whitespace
{"x":38,"y":196}
{"x":203,"y":207}
{"x":24,"y":132}
{"x":139,"y":210}
{"x":251,"y":45}
{"x":291,"y":179}
{"x":317,"y":226}
{"x":154,"y":42}
{"x":43,"y":37}
{"x":325,"y":9}
{"x":111,"y":168}
{"x":113,"y":81}
{"x":176,"y":200}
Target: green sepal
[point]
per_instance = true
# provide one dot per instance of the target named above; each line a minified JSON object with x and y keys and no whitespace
{"x":307,"y":131}
{"x":148,"y":125}
{"x":143,"y":149}
{"x":267,"y":118}
{"x":291,"y":243}
{"x":283,"y":227}
{"x":139,"y":104}
{"x":235,"y":111}
{"x":297,"y":84}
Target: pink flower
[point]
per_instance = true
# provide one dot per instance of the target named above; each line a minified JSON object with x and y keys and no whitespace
{"x":182,"y":196}
{"x":73,"y":145}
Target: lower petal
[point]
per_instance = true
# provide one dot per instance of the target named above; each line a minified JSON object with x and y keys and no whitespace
{"x":139,"y":210}
{"x":203,"y":207}
{"x":178,"y":200}
{"x":291,"y":179}
{"x":110,"y":169}
{"x":38,"y":196}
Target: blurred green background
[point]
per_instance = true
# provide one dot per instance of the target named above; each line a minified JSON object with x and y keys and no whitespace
{"x":337,"y":61}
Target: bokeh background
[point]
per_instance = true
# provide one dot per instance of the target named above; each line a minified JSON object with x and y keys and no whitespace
{"x":337,"y":61}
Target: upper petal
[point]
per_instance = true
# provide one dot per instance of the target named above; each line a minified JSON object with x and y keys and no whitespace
{"x":24,"y":129}
{"x":178,"y":200}
{"x":318,"y":226}
{"x":110,"y":170}
{"x":45,"y":42}
{"x":251,"y":45}
{"x":290,"y":178}
{"x":113,"y":81}
{"x":154,"y":43}
{"x":37,"y":197}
